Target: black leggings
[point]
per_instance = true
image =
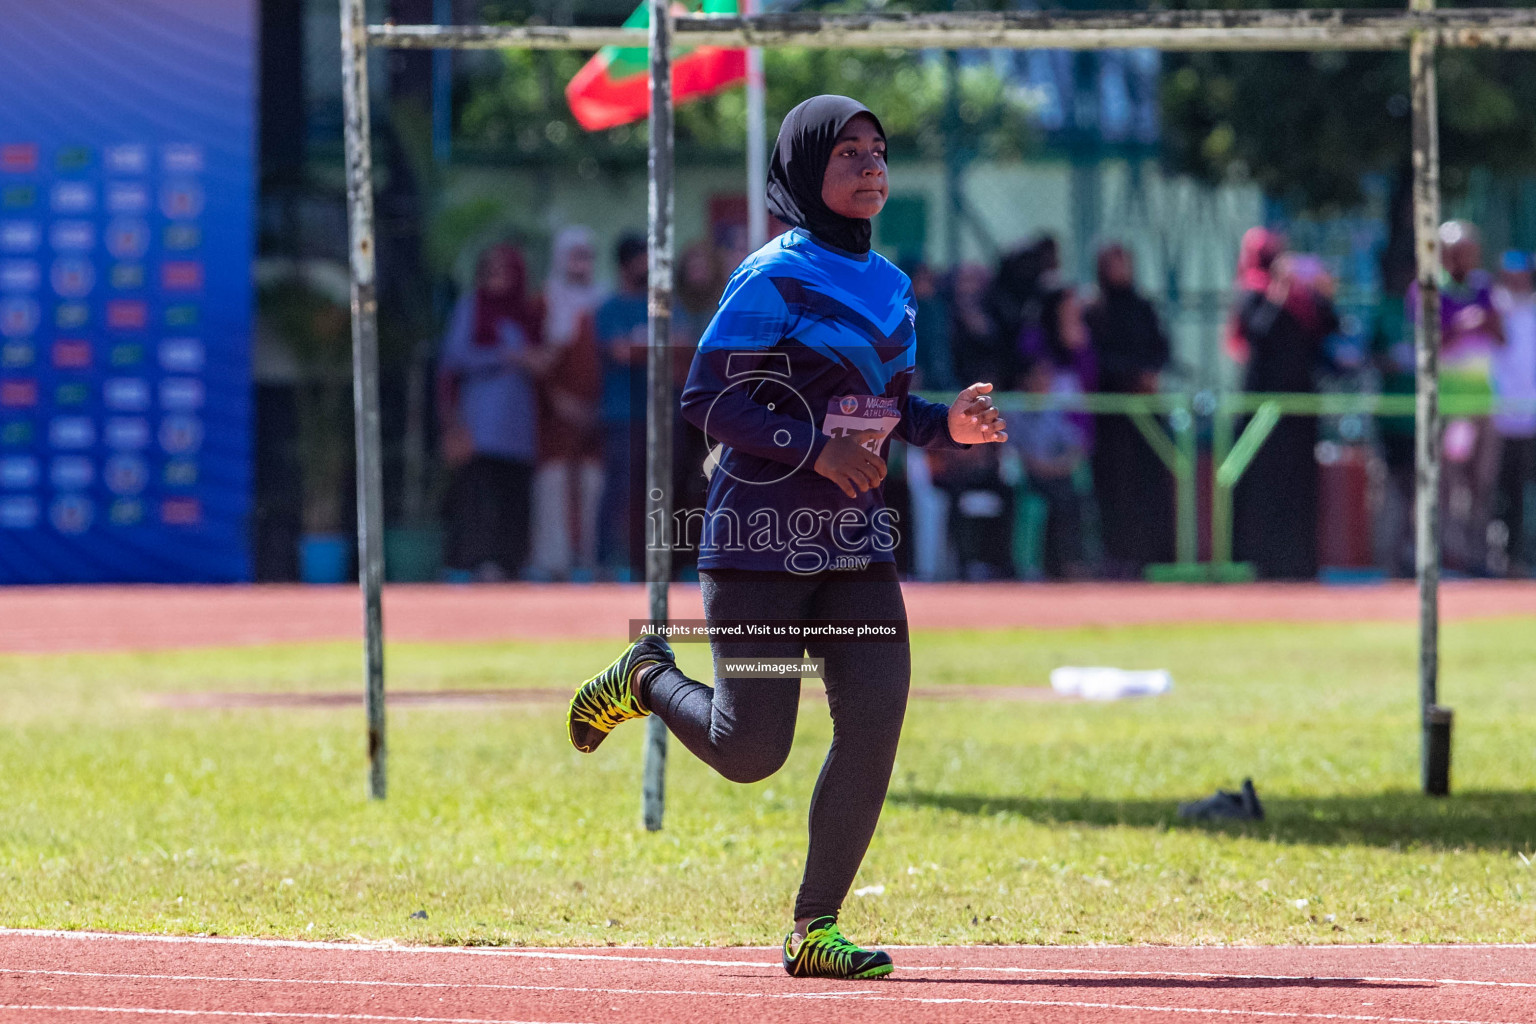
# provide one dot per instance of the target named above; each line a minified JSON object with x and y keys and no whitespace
{"x":743,"y":728}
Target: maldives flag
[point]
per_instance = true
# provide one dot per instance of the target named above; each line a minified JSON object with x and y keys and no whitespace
{"x":613,"y":88}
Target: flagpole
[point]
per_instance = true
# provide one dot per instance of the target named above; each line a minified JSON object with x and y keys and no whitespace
{"x":757,"y":157}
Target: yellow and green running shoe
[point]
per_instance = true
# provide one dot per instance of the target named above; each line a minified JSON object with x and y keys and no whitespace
{"x":826,"y":953}
{"x":609,"y":697}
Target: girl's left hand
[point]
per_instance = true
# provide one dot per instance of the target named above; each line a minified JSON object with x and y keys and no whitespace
{"x":973,"y":419}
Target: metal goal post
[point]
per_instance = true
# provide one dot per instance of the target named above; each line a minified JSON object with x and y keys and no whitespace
{"x":1421,"y":30}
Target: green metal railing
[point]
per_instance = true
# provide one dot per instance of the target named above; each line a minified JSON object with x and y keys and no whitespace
{"x":1171,"y":421}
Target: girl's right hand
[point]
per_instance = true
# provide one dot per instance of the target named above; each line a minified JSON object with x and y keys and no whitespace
{"x":846,"y":462}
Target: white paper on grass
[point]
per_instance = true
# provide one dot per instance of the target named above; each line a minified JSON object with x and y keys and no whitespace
{"x":1102,"y":683}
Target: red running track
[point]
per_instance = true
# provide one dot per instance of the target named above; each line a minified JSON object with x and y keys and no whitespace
{"x":72,"y":978}
{"x":43,"y":619}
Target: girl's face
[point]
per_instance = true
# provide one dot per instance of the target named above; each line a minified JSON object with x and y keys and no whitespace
{"x":697,"y":271}
{"x":855,"y":182}
{"x":497,"y":275}
{"x":580,"y":265}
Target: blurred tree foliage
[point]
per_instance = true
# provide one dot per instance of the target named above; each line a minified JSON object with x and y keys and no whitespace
{"x":1307,"y":126}
{"x":521,"y":113}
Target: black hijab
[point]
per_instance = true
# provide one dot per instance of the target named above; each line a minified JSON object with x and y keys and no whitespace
{"x":799,"y":165}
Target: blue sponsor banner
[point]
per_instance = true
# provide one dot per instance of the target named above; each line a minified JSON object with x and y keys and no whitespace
{"x":126,"y":194}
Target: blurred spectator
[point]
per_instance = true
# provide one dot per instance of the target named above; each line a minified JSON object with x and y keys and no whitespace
{"x":935,"y":363}
{"x":1025,"y":279}
{"x":981,"y":523}
{"x":569,"y":479}
{"x":1514,"y":379}
{"x":485,"y":401}
{"x":621,"y":340}
{"x":1393,"y":354}
{"x":973,"y":331}
{"x":1471,"y":333}
{"x":1059,"y":335}
{"x":1133,"y":487}
{"x":1052,"y":448}
{"x":1282,"y":319}
{"x":700,"y":282}
{"x":937,"y":323}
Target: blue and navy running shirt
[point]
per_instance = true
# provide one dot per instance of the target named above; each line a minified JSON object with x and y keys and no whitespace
{"x":809,"y":342}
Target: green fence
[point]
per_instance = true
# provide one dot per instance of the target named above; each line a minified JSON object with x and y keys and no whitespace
{"x":1171,"y":423}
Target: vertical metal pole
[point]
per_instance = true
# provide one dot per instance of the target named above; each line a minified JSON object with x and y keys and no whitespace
{"x":757,"y":144}
{"x":1426,"y":336}
{"x":1221,"y":494}
{"x":658,"y":413}
{"x":1187,"y":536}
{"x":442,"y":89}
{"x":365,"y":375}
{"x":954,"y":162}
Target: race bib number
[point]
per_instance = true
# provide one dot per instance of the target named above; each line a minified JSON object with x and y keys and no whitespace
{"x":852,"y":413}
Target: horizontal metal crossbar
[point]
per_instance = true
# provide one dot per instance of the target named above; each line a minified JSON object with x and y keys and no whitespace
{"x":1491,"y":28}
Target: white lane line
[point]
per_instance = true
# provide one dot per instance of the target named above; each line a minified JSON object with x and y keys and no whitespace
{"x":600,"y":989}
{"x":856,"y":995}
{"x":1050,"y":971}
{"x":1281,"y":1014}
{"x":540,"y":954}
{"x":1054,"y":1003}
{"x":265,"y":1014}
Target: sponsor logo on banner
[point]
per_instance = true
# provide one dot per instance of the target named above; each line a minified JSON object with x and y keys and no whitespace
{"x":182,"y":316}
{"x":72,"y":354}
{"x":73,"y":158}
{"x":73,"y":197}
{"x":19,"y":197}
{"x":181,"y":434}
{"x":72,"y":236}
{"x":66,"y":432}
{"x":181,"y":355}
{"x":126,"y":474}
{"x":72,"y":513}
{"x":18,"y":512}
{"x":181,"y":394}
{"x":16,"y":433}
{"x":128,"y":197}
{"x":16,"y":355}
{"x":71,"y":316}
{"x":127,"y":433}
{"x":18,"y":394}
{"x":181,"y":276}
{"x":127,"y":315}
{"x":18,"y":472}
{"x":73,"y":278}
{"x":18,"y":157}
{"x":20,"y":236}
{"x":131,"y":158}
{"x":181,"y":237}
{"x":127,"y":276}
{"x":127,"y":512}
{"x":18,"y":317}
{"x":128,"y":354}
{"x":127,"y":238}
{"x":180,"y":473}
{"x":183,"y":158}
{"x":20,"y":276}
{"x":73,"y":393}
{"x":181,"y":512}
{"x":181,"y":200}
{"x":126,"y":394}
{"x":71,"y":473}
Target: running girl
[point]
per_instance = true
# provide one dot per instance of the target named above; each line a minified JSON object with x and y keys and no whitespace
{"x":802,"y":377}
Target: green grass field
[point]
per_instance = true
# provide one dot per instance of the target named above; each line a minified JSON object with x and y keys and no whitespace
{"x":1007,"y":822}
